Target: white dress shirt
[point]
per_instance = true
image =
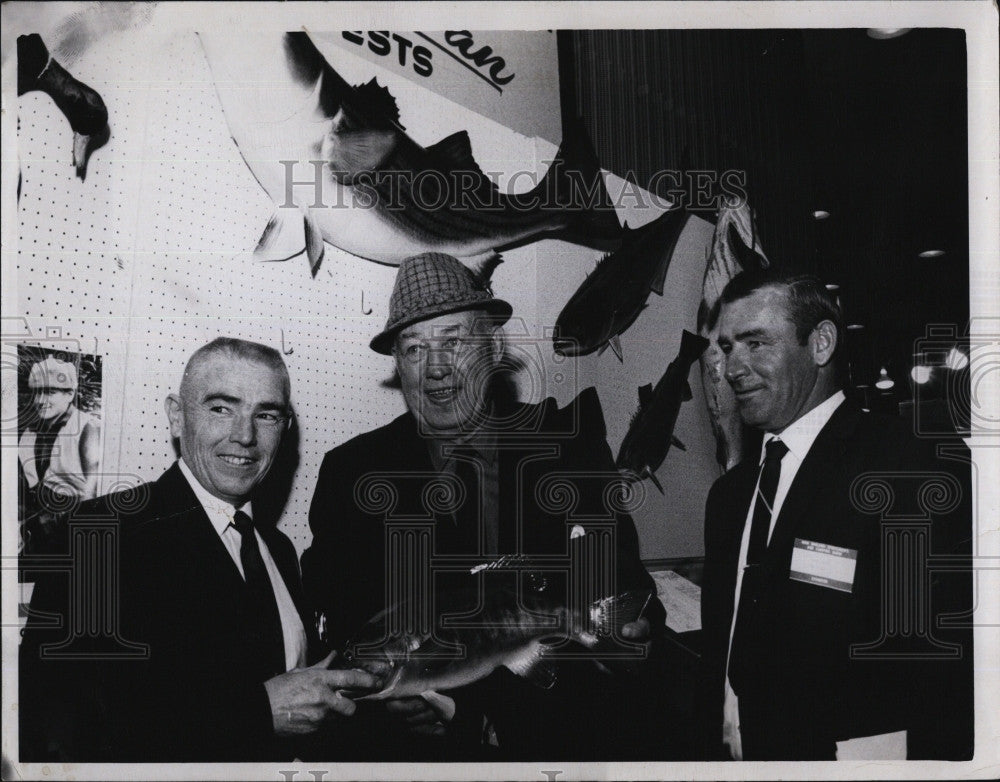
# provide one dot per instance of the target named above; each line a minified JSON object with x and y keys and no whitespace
{"x":799,"y":437}
{"x":221,"y":513}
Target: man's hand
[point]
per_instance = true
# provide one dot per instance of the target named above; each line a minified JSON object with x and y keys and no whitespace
{"x":424,"y":715}
{"x":304,"y":699}
{"x":637,"y":631}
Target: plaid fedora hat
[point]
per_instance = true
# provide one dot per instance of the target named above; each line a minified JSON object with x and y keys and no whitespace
{"x":434,"y":284}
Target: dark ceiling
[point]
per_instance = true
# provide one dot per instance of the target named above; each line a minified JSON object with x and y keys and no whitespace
{"x":872,"y":131}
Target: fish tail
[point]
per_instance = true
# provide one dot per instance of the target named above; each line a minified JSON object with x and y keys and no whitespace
{"x":574,"y":187}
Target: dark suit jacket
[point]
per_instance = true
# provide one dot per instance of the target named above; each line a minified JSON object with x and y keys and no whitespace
{"x":809,"y":691}
{"x":344,"y":570}
{"x":198,"y":695}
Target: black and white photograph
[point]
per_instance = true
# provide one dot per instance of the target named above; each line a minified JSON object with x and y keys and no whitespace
{"x":553,"y":391}
{"x":59,"y":439}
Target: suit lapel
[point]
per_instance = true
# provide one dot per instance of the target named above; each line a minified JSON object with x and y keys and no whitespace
{"x":825,"y":460}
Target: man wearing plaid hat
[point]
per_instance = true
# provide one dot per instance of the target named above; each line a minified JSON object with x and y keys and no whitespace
{"x":444,"y":333}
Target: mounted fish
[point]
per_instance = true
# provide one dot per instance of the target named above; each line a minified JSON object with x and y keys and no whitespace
{"x":608,"y":302}
{"x":651,"y":432}
{"x":81,"y":105}
{"x":735,"y":247}
{"x":362,"y":184}
{"x":498,"y":627}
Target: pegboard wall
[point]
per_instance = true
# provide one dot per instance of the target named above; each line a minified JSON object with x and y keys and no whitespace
{"x":149,"y":258}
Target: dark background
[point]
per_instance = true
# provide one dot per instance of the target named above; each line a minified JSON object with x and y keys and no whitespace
{"x":872,"y":131}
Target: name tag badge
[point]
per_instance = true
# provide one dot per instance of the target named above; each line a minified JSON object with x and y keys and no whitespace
{"x":823,"y":565}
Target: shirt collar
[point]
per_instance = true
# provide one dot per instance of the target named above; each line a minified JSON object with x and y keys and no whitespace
{"x":800,"y":434}
{"x":219,"y":512}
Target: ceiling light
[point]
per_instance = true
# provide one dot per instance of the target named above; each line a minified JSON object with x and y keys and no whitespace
{"x":920,"y":374}
{"x":833,"y":288}
{"x":820,"y":214}
{"x":884,"y":382}
{"x":956,"y":360}
{"x":855,"y":327}
{"x":885,"y":33}
{"x":930,"y":254}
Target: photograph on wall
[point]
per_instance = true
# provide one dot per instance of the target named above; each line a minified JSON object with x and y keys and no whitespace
{"x":539,"y":398}
{"x":58,"y":442}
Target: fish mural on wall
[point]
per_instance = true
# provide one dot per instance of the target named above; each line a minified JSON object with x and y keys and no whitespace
{"x":735,"y":247}
{"x":378,"y":194}
{"x":651,"y":432}
{"x":79,"y":103}
{"x":499,"y":627}
{"x":608,"y":302}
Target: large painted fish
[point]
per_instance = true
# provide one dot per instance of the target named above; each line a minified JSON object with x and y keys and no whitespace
{"x":373,"y":191}
{"x":735,"y":247}
{"x":474,"y":633}
{"x":79,"y":103}
{"x":651,"y":433}
{"x":608,"y":302}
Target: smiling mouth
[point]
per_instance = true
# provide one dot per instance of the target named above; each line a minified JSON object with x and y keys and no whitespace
{"x":441,"y":394}
{"x":745,"y":393}
{"x":237,"y":461}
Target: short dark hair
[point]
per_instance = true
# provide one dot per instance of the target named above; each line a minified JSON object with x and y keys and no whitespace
{"x":241,"y":349}
{"x":809,"y":301}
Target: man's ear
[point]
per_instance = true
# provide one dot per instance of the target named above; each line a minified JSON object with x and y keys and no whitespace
{"x":497,"y":344}
{"x":823,"y":342}
{"x":175,"y":414}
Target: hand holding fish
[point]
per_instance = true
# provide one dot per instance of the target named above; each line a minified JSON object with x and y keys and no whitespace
{"x":637,"y":631}
{"x":424,"y":715}
{"x":304,"y":699}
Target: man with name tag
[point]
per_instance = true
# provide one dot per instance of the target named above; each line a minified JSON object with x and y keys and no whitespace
{"x":208,"y":659}
{"x":811,"y":651}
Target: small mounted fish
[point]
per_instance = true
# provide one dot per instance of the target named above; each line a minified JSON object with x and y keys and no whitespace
{"x":652,"y":430}
{"x":615,"y":293}
{"x":475,"y":632}
{"x":81,"y":105}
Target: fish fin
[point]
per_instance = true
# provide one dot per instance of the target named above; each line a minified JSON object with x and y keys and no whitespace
{"x":602,"y":348}
{"x":677,"y":443}
{"x":645,"y":394}
{"x":530,"y":664}
{"x":483,"y":266}
{"x":353,"y":151}
{"x":656,"y":481}
{"x":692,"y":345}
{"x":676,"y":220}
{"x":456,"y":151}
{"x":283,"y":238}
{"x":377,"y":101}
{"x":590,"y":215}
{"x":314,"y":243}
{"x":616,"y":346}
{"x":686,"y":392}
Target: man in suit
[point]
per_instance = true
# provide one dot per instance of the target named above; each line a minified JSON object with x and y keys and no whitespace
{"x":811,"y":649}
{"x":480,"y":476}
{"x":208,"y":659}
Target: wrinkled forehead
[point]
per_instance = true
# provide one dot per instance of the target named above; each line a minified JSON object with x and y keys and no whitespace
{"x":254,"y":382}
{"x":464,"y":323}
{"x":767,"y":305}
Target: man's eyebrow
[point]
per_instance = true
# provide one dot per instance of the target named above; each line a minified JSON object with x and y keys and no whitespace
{"x":220,"y":397}
{"x":744,"y":335}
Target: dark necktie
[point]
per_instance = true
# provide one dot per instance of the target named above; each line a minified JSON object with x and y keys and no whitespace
{"x":265,"y":617}
{"x":743,"y":655}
